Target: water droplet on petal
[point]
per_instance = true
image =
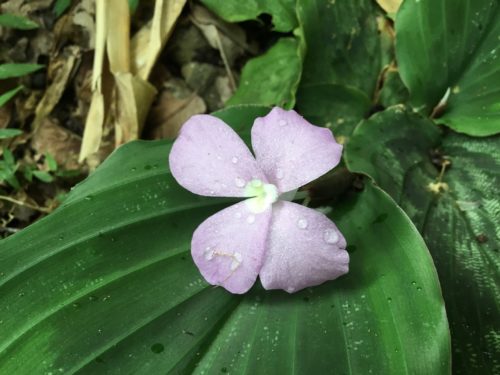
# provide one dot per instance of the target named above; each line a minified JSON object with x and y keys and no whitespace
{"x":237,"y":259}
{"x":257,"y":183}
{"x":302,"y":223}
{"x":282,"y":122}
{"x":279,"y":173}
{"x":234,"y":160}
{"x":251,"y":219}
{"x":209,"y":253}
{"x":239,"y":182}
{"x":237,"y":215}
{"x":331,"y":236}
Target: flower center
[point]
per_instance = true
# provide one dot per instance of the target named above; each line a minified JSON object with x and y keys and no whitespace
{"x":264,"y":196}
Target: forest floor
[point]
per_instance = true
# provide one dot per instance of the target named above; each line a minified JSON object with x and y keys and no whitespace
{"x":196,"y":72}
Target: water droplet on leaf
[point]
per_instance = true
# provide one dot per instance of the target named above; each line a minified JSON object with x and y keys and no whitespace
{"x":157,"y":348}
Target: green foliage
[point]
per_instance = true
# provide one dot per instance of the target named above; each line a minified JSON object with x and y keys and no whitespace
{"x":452,"y":44}
{"x":10,"y":133}
{"x":19,"y":173}
{"x":458,"y":217}
{"x":17,"y":70}
{"x":133,"y":4}
{"x":282,"y":66}
{"x":120,"y":243}
{"x":282,"y":12}
{"x":5,"y":97}
{"x":61,"y":6}
{"x":8,"y":168}
{"x":17,"y":22}
{"x":341,"y":64}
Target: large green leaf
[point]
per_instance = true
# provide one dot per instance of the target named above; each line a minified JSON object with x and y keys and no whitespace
{"x":452,"y":44}
{"x":271,"y":79}
{"x":459,"y":219}
{"x":282,"y":11}
{"x":106,"y":284}
{"x":342,"y":58}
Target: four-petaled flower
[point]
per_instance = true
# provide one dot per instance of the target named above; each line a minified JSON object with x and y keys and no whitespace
{"x":289,"y":246}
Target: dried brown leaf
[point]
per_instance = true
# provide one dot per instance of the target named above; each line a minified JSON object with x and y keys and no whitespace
{"x":135,"y":98}
{"x":95,"y":119}
{"x":60,"y":71}
{"x":171,"y":111}
{"x":61,"y":143}
{"x":148,"y":42}
{"x":390,"y":6}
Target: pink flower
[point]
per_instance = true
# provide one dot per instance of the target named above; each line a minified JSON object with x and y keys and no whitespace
{"x":289,"y":246}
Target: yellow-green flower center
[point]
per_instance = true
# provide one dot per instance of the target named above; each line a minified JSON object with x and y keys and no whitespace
{"x":264,"y":195}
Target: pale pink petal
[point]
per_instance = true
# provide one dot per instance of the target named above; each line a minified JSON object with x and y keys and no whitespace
{"x":304,"y":248}
{"x":229,"y":246}
{"x":291,"y":151}
{"x":209,"y":158}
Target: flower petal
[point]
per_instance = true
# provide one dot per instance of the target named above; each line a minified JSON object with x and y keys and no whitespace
{"x":229,"y":246}
{"x":291,"y":151}
{"x":304,"y":248}
{"x":209,"y":158}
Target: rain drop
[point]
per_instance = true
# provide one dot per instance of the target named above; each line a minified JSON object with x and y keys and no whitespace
{"x":237,"y":215}
{"x":239,"y":182}
{"x":302,"y":223}
{"x":236,"y":261}
{"x":234,"y":160}
{"x":157,"y":348}
{"x":282,"y":122}
{"x":251,"y":219}
{"x":209,"y":253}
{"x":279,"y":173}
{"x":331,"y":236}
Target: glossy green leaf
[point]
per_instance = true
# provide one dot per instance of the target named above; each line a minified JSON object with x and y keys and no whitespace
{"x":17,"y":22}
{"x":5,"y":97}
{"x":17,"y":70}
{"x":459,"y":223}
{"x":342,"y":43}
{"x":452,"y":44}
{"x":10,"y":133}
{"x":106,"y":284}
{"x":271,"y":79}
{"x":337,"y":107}
{"x":342,"y":55}
{"x":282,"y":11}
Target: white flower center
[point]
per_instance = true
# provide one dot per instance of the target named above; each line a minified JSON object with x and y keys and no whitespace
{"x":264,"y":196}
